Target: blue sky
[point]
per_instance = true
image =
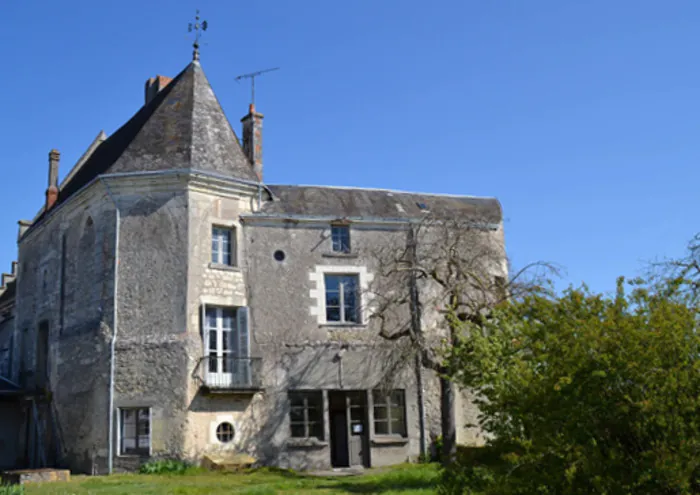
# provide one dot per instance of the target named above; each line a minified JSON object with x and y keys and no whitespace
{"x":583,"y":118}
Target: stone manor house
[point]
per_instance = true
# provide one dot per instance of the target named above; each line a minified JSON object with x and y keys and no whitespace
{"x":167,"y":302}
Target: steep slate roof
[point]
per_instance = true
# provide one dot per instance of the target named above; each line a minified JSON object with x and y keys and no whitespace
{"x":183,"y":127}
{"x":376,"y":203}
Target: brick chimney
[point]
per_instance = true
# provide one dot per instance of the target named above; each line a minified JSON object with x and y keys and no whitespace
{"x":52,"y":190}
{"x":154,"y":85}
{"x":252,"y":139}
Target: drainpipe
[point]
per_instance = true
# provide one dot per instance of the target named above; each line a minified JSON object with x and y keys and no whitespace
{"x":421,"y":407}
{"x":112,"y":357}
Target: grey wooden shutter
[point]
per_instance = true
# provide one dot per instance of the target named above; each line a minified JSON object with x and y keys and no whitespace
{"x":243,"y":332}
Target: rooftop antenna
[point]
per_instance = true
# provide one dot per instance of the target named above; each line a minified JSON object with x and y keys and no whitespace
{"x":198,"y":28}
{"x":252,"y":77}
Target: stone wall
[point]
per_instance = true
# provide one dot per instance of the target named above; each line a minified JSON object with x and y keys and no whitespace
{"x":65,"y":277}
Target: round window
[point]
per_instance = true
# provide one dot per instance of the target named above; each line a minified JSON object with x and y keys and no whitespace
{"x":225,"y":432}
{"x":279,"y":255}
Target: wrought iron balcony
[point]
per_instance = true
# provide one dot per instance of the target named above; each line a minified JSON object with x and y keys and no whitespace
{"x":227,"y":374}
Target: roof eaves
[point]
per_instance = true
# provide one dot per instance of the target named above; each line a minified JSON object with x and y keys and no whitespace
{"x":353,"y":219}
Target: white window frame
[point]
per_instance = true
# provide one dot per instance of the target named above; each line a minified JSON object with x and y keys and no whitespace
{"x":119,"y":431}
{"x":214,"y":424}
{"x":318,"y":291}
{"x":241,"y":332}
{"x":342,"y":293}
{"x":220,"y":252}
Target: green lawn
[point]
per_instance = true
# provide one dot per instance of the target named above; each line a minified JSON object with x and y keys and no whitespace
{"x":405,"y":480}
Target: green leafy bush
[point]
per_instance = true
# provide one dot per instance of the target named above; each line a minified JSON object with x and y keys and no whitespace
{"x":164,"y":466}
{"x":11,"y":490}
{"x":584,"y":394}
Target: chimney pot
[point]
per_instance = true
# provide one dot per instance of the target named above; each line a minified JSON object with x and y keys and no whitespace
{"x":154,"y":85}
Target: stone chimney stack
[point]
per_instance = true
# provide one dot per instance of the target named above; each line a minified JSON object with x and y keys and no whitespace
{"x":252,"y":139}
{"x":52,"y":191}
{"x":154,"y":85}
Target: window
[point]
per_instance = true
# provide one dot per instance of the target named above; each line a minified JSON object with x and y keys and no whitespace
{"x":340,"y":235}
{"x":227,"y":346}
{"x":342,"y":297}
{"x":135,"y":431}
{"x":389,"y":413}
{"x":5,"y":362}
{"x":306,"y":414}
{"x":222,"y":246}
{"x":225,"y":432}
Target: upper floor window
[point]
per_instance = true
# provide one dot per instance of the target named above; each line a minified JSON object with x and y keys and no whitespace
{"x":389,"y":413}
{"x":340,"y":235}
{"x":342,"y":298}
{"x":223,"y":246}
{"x":306,"y":414}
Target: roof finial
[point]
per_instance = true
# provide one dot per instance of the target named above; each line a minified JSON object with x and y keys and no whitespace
{"x":198,"y":28}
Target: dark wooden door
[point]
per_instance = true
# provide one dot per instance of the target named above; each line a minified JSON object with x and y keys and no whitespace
{"x":337,"y":411}
{"x":349,"y":433}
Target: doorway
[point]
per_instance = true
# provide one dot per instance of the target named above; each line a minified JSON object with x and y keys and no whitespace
{"x":348,"y":420}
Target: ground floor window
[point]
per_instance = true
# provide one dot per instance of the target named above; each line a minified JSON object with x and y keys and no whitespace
{"x":389,"y":413}
{"x":306,"y":414}
{"x":135,"y":431}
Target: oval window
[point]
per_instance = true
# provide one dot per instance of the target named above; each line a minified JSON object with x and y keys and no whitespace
{"x":225,"y":432}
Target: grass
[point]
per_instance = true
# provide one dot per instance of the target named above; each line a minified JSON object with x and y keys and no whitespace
{"x":408,"y":479}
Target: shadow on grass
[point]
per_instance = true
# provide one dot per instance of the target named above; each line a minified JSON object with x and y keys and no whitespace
{"x":409,"y":480}
{"x":382,"y":486}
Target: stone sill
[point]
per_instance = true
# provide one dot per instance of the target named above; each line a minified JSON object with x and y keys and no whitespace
{"x":389,"y":440}
{"x":343,"y":326}
{"x":306,"y":443}
{"x":225,"y":268}
{"x":340,"y":255}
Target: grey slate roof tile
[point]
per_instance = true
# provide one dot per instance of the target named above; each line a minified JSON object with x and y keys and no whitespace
{"x":376,"y":203}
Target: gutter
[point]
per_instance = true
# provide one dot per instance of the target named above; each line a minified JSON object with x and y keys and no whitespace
{"x":115,"y":326}
{"x":251,"y":217}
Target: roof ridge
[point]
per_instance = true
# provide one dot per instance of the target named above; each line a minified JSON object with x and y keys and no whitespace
{"x":190,"y":149}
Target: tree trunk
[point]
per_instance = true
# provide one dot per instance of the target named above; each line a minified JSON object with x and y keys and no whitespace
{"x":449,"y":428}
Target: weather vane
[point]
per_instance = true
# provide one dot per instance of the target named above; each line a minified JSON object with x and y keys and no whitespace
{"x":198,"y":28}
{"x":252,"y":77}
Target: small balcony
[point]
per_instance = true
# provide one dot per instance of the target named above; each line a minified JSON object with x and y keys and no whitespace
{"x":229,"y":374}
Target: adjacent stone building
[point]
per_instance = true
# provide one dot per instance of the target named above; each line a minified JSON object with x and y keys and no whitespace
{"x":167,"y":302}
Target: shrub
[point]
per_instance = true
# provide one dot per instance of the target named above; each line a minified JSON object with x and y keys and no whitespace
{"x":11,"y":490}
{"x":164,"y":466}
{"x":584,"y":394}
